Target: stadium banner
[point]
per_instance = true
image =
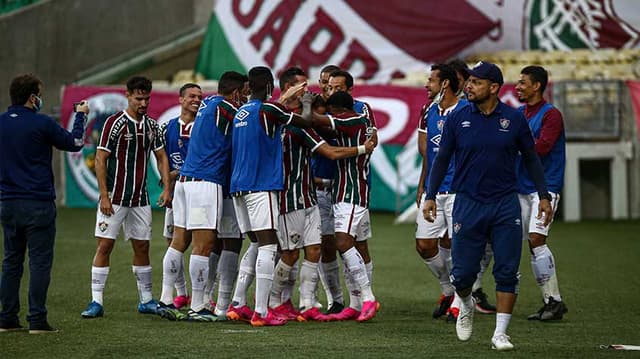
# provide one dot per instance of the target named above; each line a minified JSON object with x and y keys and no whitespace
{"x":395,"y":165}
{"x":377,"y":41}
{"x":634,"y":92}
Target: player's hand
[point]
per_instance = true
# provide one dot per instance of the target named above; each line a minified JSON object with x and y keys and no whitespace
{"x":83,"y":106}
{"x":545,"y":211}
{"x":419,"y":193}
{"x":308,"y":97}
{"x":369,"y":145}
{"x":105,"y":206}
{"x":429,"y":211}
{"x":291,"y":93}
{"x":165,"y":198}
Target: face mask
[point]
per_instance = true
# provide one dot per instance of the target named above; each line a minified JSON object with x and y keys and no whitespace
{"x":439,"y":96}
{"x":37,"y":106}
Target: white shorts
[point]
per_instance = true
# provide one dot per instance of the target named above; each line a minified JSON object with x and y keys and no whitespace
{"x":197,"y":205}
{"x":257,"y":211}
{"x":135,"y":222}
{"x":167,"y":232}
{"x":353,"y":220}
{"x":300,"y":228}
{"x":325,"y":206}
{"x":229,"y":224}
{"x":529,"y":211}
{"x":443,"y":223}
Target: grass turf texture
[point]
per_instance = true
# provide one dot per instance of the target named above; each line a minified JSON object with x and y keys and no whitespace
{"x":598,"y":274}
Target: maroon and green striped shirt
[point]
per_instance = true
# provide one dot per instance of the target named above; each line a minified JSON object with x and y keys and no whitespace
{"x":129,"y":144}
{"x":299,"y":191}
{"x":350,"y":184}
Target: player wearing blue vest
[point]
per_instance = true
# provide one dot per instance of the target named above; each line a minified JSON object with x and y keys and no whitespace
{"x":176,"y":133}
{"x":485,"y":138}
{"x":547,"y":127}
{"x":343,"y":81}
{"x":432,"y":239}
{"x":198,"y":199}
{"x":257,"y":178}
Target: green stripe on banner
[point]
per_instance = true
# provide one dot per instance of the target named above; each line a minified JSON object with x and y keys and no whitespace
{"x":216,"y":54}
{"x":385,"y":197}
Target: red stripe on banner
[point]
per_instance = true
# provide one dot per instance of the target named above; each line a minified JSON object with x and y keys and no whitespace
{"x":634,"y":92}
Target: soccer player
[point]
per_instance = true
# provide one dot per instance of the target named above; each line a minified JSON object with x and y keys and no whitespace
{"x":324,"y":171}
{"x":547,"y":127}
{"x":27,"y":198}
{"x":299,"y":220}
{"x":432,"y":240}
{"x":198,"y":197}
{"x":256,"y":179}
{"x":176,"y":133}
{"x":485,"y":138}
{"x":343,"y":81}
{"x":122,"y":157}
{"x":351,"y":193}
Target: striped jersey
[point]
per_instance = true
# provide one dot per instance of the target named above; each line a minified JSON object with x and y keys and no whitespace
{"x":129,"y":143}
{"x":256,"y":158}
{"x":351,"y":184}
{"x":176,"y":134}
{"x":297,"y":146}
{"x":210,"y":143}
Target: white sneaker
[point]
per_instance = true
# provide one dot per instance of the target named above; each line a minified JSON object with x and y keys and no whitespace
{"x":501,"y":342}
{"x":464,"y":324}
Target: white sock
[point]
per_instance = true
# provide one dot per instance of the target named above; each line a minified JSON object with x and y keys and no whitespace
{"x":181,"y":282}
{"x":502,"y":322}
{"x":210,"y":287}
{"x":199,"y":272}
{"x":544,"y":270}
{"x":331,"y":271}
{"x":484,"y":264}
{"x":456,"y":301}
{"x":438,"y":267}
{"x":98,"y":280}
{"x":280,"y":280}
{"x":325,"y":286}
{"x":466,"y":303}
{"x":228,"y":268}
{"x":265,"y":263}
{"x":287,"y":289}
{"x":143,"y":279}
{"x":369,"y":268}
{"x":245,"y":275}
{"x":355,"y":296}
{"x":446,"y":254}
{"x":309,"y":278}
{"x":354,"y":262}
{"x":171,"y":264}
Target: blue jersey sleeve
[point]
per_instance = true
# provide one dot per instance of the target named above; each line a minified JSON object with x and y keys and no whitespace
{"x":62,"y":139}
{"x":441,"y":162}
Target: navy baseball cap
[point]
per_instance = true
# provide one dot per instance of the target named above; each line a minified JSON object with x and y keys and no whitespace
{"x":487,"y":71}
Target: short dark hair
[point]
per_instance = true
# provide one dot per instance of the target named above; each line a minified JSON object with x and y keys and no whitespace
{"x":231,"y":81}
{"x":537,"y":74}
{"x":447,"y":72}
{"x":340,"y":99}
{"x":22,"y":87}
{"x":460,"y":67}
{"x":330,"y":69}
{"x":288,"y":76}
{"x":259,"y":78}
{"x":348,"y":79}
{"x":187,"y":86}
{"x":138,"y":83}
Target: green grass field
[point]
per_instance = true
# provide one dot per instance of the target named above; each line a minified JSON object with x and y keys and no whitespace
{"x":598,"y":273}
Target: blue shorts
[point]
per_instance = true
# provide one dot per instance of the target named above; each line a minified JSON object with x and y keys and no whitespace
{"x":475,"y":223}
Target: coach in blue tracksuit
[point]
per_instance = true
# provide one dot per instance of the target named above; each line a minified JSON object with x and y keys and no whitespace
{"x":27,"y":194}
{"x":485,"y":138}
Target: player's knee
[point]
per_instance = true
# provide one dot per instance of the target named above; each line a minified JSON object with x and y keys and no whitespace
{"x":427,"y":248}
{"x":312,"y":253}
{"x":105,"y":246}
{"x":536,"y":240}
{"x":507,"y":282}
{"x":290,"y":257}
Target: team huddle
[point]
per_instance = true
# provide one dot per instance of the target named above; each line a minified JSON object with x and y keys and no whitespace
{"x":294,"y":175}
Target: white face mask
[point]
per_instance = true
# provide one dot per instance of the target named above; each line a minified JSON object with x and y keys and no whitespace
{"x":37,"y":106}
{"x":440,"y":95}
